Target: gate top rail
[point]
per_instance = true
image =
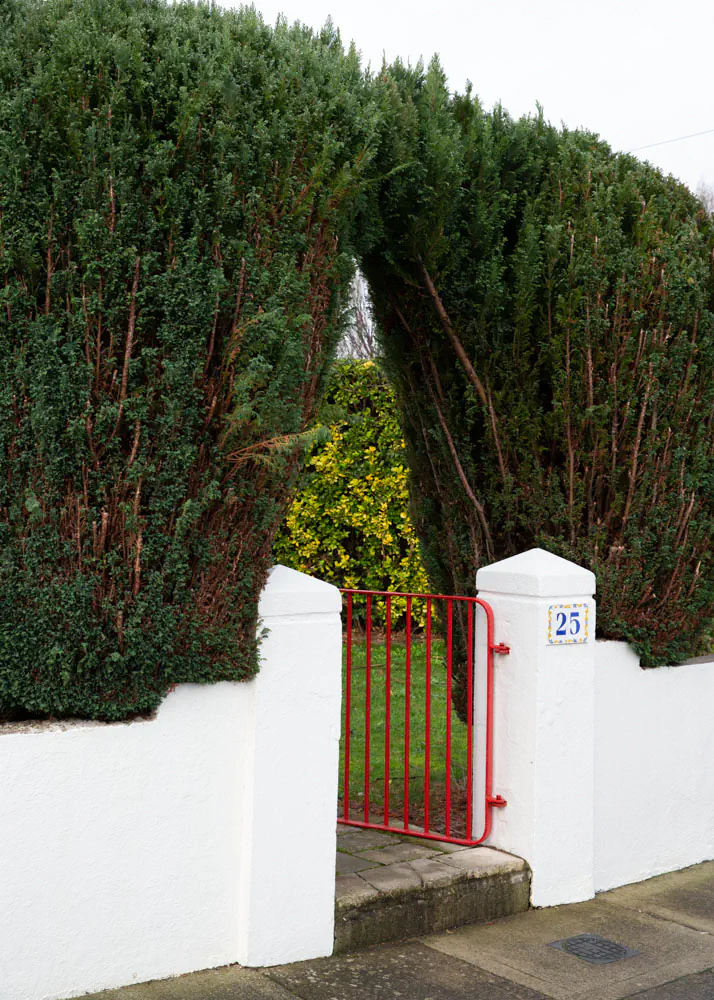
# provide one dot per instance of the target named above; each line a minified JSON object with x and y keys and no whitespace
{"x":495,"y":647}
{"x":398,"y":593}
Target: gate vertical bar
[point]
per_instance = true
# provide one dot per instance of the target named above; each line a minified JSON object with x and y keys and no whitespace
{"x":427,"y":721}
{"x":449,"y":670}
{"x":407,"y":710}
{"x":387,"y":705}
{"x":469,"y":720}
{"x":489,"y":721}
{"x":348,"y":708}
{"x":367,"y":705}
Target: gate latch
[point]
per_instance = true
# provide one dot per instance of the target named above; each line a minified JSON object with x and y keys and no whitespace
{"x":501,"y":648}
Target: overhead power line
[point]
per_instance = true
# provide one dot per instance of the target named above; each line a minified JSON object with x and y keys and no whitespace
{"x":664,"y":142}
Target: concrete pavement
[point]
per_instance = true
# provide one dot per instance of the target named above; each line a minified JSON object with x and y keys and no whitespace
{"x":668,"y":920}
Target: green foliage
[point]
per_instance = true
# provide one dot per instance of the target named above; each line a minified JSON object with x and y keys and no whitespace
{"x":182,"y":194}
{"x":350,"y":523}
{"x":546,"y":314}
{"x":177,"y":193}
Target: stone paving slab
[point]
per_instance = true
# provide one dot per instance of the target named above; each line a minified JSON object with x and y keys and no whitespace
{"x":353,"y":891}
{"x":363,"y":840}
{"x":698,"y":987}
{"x":433,"y":871}
{"x":484,"y":860}
{"x":396,"y":972}
{"x":398,"y":852}
{"x":438,"y":845}
{"x":229,"y":983}
{"x":392,"y":880}
{"x":349,"y":864}
{"x":517,"y":948}
{"x":686,"y":896}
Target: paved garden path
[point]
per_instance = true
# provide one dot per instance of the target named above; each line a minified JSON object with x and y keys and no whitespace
{"x":667,"y":921}
{"x":391,"y":888}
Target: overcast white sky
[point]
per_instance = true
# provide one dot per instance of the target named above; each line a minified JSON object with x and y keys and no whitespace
{"x":635,"y":71}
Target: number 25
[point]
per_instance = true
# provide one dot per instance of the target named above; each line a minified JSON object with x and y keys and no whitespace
{"x":574,"y":626}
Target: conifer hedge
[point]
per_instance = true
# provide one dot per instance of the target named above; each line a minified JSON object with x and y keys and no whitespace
{"x":177,"y":195}
{"x":183,"y":192}
{"x":546,"y":314}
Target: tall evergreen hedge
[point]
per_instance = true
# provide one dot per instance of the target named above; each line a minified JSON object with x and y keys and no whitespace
{"x":546,"y":313}
{"x":177,"y":194}
{"x":183,"y":192}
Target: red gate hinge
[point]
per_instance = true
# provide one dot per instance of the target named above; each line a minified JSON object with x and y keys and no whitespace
{"x":501,"y":648}
{"x":497,"y":800}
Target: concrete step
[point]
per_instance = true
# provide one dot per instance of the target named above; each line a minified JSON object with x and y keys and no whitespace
{"x":390,"y":887}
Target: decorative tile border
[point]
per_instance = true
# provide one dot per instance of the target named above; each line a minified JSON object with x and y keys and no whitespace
{"x":568,"y":624}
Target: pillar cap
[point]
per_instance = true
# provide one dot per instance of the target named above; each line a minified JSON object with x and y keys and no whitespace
{"x":288,"y":592}
{"x":536,"y":573}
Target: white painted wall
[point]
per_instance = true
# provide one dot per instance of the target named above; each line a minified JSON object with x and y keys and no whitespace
{"x":608,"y":769}
{"x":654,"y":766}
{"x":202,"y":837}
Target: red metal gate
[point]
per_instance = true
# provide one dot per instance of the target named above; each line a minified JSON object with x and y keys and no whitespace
{"x":400,"y":731}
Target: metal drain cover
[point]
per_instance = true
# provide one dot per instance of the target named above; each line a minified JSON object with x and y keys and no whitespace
{"x":594,"y":949}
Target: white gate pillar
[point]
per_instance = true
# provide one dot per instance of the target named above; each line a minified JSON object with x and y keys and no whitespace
{"x":544,"y":719}
{"x":290,"y":752}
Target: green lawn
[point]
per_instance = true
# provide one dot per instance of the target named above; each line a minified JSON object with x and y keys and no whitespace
{"x":417,"y":720}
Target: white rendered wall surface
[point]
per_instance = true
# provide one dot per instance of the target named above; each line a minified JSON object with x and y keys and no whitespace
{"x":144,"y":850}
{"x":654,"y":766}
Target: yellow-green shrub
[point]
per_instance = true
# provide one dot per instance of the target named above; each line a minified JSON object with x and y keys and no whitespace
{"x":350,"y":524}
